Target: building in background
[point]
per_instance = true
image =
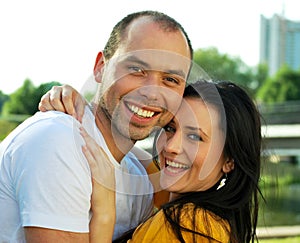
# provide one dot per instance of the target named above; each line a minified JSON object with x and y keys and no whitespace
{"x":279,"y":43}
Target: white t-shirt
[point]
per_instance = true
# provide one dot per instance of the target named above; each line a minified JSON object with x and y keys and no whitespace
{"x":45,"y":180}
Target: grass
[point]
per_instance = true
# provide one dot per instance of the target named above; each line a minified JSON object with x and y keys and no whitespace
{"x":6,"y":127}
{"x":279,"y":174}
{"x":281,"y":240}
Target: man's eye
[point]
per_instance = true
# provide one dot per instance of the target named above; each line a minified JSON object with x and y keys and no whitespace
{"x":136,"y":70}
{"x":195,"y":137}
{"x":172,"y":80}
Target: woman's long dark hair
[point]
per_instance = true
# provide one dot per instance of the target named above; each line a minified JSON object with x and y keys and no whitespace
{"x":237,"y":201}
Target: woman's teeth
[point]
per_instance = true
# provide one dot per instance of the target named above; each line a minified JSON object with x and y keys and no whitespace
{"x":141,"y":112}
{"x":176,"y":165}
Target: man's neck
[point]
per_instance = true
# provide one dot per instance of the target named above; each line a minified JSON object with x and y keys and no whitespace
{"x":118,"y":144}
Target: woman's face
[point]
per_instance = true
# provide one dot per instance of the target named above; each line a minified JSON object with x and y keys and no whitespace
{"x":191,"y":148}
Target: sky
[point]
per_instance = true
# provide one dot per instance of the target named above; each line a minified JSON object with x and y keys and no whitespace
{"x":58,"y":40}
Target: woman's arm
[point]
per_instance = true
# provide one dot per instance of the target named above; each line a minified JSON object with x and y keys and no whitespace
{"x":104,"y":216}
{"x":103,"y":195}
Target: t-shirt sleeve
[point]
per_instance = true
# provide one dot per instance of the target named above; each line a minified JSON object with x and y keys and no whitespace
{"x":52,"y":178}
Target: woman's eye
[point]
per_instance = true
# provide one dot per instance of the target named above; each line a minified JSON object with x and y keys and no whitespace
{"x":170,"y":129}
{"x":195,"y":137}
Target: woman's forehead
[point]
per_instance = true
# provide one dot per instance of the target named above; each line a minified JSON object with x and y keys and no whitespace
{"x":190,"y":110}
{"x":195,"y":111}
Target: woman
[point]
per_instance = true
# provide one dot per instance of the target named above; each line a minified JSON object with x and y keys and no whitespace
{"x":214,"y":188}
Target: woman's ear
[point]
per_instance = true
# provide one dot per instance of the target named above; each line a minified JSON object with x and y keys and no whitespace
{"x":228,"y":166}
{"x":99,"y":63}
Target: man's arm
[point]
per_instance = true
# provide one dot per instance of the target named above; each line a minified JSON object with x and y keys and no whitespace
{"x":37,"y":235}
{"x":54,"y":186}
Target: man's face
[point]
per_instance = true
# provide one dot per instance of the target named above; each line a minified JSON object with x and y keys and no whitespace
{"x":145,"y":79}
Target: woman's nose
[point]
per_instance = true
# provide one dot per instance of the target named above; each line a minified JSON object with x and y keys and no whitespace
{"x":174,"y":143}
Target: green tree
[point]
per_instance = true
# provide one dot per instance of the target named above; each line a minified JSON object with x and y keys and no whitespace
{"x":3,"y":99}
{"x":224,"y":67}
{"x":260,"y":75}
{"x":21,"y":101}
{"x":284,"y":86}
{"x":42,"y":89}
{"x":24,"y":101}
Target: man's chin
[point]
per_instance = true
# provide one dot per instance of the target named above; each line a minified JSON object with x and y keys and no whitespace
{"x":138,"y":136}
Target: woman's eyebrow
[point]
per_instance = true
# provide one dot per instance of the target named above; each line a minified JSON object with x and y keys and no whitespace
{"x":197,"y":129}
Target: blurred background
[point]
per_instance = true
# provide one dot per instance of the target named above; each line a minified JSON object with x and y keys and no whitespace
{"x":253,"y":43}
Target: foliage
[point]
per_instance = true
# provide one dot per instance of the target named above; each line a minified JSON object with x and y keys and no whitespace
{"x":260,"y":76}
{"x":21,"y":101}
{"x":43,"y":88}
{"x":25,"y":99}
{"x":284,"y":86}
{"x":89,"y":96}
{"x":3,"y":99}
{"x":223,"y":67}
{"x":6,"y":127}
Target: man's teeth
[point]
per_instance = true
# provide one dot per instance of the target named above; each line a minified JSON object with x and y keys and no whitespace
{"x":141,"y":112}
{"x":176,"y":165}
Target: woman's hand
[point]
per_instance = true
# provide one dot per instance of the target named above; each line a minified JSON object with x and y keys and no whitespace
{"x":103,"y":195}
{"x":64,"y":98}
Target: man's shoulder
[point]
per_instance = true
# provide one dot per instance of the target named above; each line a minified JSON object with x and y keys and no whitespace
{"x":43,"y":127}
{"x":133,"y":164}
{"x":52,"y":119}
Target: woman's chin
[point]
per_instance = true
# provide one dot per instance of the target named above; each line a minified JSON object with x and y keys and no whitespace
{"x":169,"y":178}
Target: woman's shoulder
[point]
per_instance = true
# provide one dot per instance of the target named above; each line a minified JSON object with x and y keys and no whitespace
{"x":204,"y":221}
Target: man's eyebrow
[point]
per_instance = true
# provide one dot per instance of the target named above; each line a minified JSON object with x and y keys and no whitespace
{"x":135,"y":59}
{"x":180,"y":73}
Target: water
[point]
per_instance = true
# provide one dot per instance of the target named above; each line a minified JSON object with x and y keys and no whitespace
{"x":282,"y":208}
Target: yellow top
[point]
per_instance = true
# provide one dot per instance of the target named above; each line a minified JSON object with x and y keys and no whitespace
{"x":157,"y":229}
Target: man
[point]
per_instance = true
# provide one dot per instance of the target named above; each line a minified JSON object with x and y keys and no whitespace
{"x":45,"y":183}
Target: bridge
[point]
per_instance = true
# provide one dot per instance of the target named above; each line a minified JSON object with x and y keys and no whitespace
{"x":282,"y":140}
{"x":281,"y":131}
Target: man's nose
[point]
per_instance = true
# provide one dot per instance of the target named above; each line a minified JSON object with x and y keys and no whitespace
{"x":151,"y":87}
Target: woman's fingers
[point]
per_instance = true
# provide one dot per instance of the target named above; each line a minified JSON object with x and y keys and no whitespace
{"x":73,"y":102}
{"x":65,"y":99}
{"x":52,"y":100}
{"x":45,"y":104}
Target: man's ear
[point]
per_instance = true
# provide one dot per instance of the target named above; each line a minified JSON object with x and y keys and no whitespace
{"x":99,"y":63}
{"x":228,"y":166}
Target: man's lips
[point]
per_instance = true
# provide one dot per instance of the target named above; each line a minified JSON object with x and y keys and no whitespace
{"x":143,"y":112}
